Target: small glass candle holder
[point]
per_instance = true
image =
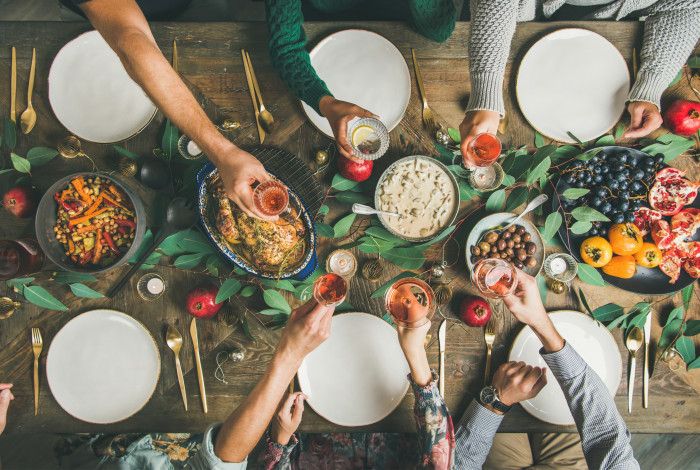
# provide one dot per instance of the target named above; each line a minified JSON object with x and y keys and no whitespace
{"x":188,"y":149}
{"x":561,"y":267}
{"x":486,"y":178}
{"x":342,"y":262}
{"x":150,"y":286}
{"x":368,"y":137}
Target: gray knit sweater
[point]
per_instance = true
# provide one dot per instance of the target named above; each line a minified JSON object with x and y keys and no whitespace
{"x":671,"y":31}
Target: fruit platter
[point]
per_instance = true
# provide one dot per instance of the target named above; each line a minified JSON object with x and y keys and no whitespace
{"x":633,"y":217}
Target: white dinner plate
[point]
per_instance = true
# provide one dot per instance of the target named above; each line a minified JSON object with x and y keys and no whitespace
{"x":358,"y":375}
{"x":92,"y":95}
{"x":102,"y":366}
{"x":572,"y":80}
{"x":363,"y":68}
{"x":592,"y":341}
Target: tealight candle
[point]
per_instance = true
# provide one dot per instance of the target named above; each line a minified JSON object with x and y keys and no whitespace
{"x":193,"y":149}
{"x":155,"y":286}
{"x":561,"y":267}
{"x":342,"y":263}
{"x":150,"y":286}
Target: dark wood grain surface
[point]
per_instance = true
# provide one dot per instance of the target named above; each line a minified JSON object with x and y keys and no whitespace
{"x":211,"y":65}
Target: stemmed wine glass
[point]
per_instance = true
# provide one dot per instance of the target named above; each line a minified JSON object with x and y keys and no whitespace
{"x":411,"y":302}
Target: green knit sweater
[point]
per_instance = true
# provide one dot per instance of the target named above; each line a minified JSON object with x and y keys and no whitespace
{"x":434,"y":19}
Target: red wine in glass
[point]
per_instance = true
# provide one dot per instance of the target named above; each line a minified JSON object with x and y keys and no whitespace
{"x":495,"y":277}
{"x":482,"y":150}
{"x":271,"y":197}
{"x":410,"y":302}
{"x":19,"y":257}
{"x":330,"y":289}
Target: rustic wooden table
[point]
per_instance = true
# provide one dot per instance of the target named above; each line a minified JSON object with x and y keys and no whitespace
{"x":210,"y":63}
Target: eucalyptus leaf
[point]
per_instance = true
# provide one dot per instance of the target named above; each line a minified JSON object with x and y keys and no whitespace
{"x":686,"y":348}
{"x":608,"y":312}
{"x":324,"y":230}
{"x":672,"y":148}
{"x":42,"y":298}
{"x":575,"y":193}
{"x":381,"y":291}
{"x":403,"y":260}
{"x":539,"y":140}
{"x":517,"y":197}
{"x":169,"y":140}
{"x":584,"y":301}
{"x":496,"y":201}
{"x":20,"y":164}
{"x":565,"y":152}
{"x":384,"y":234}
{"x":687,"y":294}
{"x":9,"y":134}
{"x":695,"y":364}
{"x":374,"y":245}
{"x":341,"y":183}
{"x":81,"y":290}
{"x":282,"y":284}
{"x":229,"y":288}
{"x":590,"y":275}
{"x":342,"y":227}
{"x":508,"y":181}
{"x":323,"y":210}
{"x":692,"y":327}
{"x":459,"y":171}
{"x":669,"y":333}
{"x":588,"y":214}
{"x":248,"y":291}
{"x":441,"y":236}
{"x":270,"y":311}
{"x":466,"y":192}
{"x":605,"y":141}
{"x":19,"y":282}
{"x":125,"y":153}
{"x":551,"y":225}
{"x":38,"y":156}
{"x":189,"y":261}
{"x":580,"y":227}
{"x":214,"y":264}
{"x":274,"y":299}
{"x":619,"y":130}
{"x":454,"y":134}
{"x":350,"y":197}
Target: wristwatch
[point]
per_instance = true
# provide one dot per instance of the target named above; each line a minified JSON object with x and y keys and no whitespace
{"x":489,"y":397}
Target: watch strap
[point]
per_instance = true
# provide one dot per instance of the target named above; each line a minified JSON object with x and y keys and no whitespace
{"x":500,"y":406}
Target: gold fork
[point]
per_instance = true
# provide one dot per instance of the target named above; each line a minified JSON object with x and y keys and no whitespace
{"x":489,"y":337}
{"x":428,"y":118}
{"x":37,"y":345}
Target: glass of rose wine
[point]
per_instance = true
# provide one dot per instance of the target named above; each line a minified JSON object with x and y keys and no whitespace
{"x":271,"y":197}
{"x":330,"y":289}
{"x":495,"y":277}
{"x":483,"y":150}
{"x":410,"y":302}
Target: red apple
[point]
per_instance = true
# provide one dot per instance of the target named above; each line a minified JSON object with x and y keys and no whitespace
{"x":20,"y":201}
{"x":475,"y":311}
{"x":353,"y":170}
{"x":201,"y":302}
{"x":683,"y":117}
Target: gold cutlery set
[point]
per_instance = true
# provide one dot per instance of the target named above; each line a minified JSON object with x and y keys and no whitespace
{"x":174,"y":340}
{"x":28,"y":117}
{"x":263,"y":118}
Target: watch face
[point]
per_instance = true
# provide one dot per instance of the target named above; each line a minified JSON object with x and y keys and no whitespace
{"x":488,"y":395}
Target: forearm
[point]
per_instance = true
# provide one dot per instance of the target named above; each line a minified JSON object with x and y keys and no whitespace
{"x":670,"y":35}
{"x":492,"y":28}
{"x":474,"y":436}
{"x":604,"y":435}
{"x":276,"y":455}
{"x":434,"y":425}
{"x":287,"y":44}
{"x":243,"y":428}
{"x":125,"y":29}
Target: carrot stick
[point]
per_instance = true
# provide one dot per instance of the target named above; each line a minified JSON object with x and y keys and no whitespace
{"x":113,"y":202}
{"x":85,"y":218}
{"x":95,"y":205}
{"x":79,"y":185}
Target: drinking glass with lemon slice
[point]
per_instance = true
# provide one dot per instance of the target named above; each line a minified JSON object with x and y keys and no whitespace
{"x":368,"y":137}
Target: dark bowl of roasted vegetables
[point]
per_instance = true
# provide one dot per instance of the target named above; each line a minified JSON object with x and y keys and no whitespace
{"x":90,"y":222}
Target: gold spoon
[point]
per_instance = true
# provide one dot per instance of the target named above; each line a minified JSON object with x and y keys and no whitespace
{"x":174,"y":340}
{"x":266,"y":118}
{"x":634,"y":341}
{"x":28,"y":117}
{"x":8,"y":307}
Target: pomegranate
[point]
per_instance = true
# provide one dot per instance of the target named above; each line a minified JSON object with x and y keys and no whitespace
{"x":475,"y":311}
{"x":201,"y":302}
{"x":644,"y":219}
{"x":353,"y":170}
{"x":20,"y":201}
{"x":683,"y":117}
{"x":671,"y":191}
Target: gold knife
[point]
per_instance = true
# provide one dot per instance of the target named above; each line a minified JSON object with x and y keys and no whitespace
{"x":198,"y":361}
{"x":442,"y":337}
{"x":251,"y":88}
{"x":176,"y":59}
{"x":13,"y":85}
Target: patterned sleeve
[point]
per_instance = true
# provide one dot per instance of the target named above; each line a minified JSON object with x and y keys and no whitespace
{"x":287,"y":43}
{"x":435,"y":430}
{"x":277,"y":456}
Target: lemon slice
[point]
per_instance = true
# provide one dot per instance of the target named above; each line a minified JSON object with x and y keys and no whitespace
{"x":363,"y":134}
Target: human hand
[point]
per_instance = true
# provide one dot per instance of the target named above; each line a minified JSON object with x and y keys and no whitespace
{"x":239,"y":170}
{"x":644,"y":119}
{"x":339,"y":113}
{"x":5,"y":398}
{"x":308,"y":326}
{"x":516,"y":382}
{"x":477,"y":122}
{"x":412,"y":340}
{"x":288,"y":418}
